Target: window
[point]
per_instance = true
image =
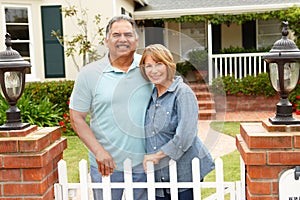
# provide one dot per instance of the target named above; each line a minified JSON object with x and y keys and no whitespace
{"x":193,"y":37}
{"x":269,"y":31}
{"x":17,"y":24}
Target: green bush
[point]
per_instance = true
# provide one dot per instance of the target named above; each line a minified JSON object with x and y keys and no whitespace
{"x":182,"y":68}
{"x":249,"y":85}
{"x":43,"y":114}
{"x":294,"y":98}
{"x":232,"y":49}
{"x":199,"y":59}
{"x":58,"y":92}
{"x":3,"y":108}
{"x":44,"y":104}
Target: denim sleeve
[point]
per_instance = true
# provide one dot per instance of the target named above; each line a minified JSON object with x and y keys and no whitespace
{"x":187,"y":111}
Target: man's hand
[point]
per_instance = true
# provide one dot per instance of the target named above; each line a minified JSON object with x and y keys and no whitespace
{"x":106,"y":164}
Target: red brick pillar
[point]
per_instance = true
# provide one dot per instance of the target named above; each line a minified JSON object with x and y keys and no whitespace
{"x":28,"y":160}
{"x":267,"y":150}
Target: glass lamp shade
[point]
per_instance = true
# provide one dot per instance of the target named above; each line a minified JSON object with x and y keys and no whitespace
{"x":12,"y":79}
{"x":13,"y":85}
{"x":290,"y":75}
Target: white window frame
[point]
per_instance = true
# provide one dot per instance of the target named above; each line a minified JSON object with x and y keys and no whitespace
{"x":32,"y":76}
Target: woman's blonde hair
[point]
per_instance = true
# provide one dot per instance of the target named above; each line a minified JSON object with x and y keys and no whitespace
{"x":159,"y":53}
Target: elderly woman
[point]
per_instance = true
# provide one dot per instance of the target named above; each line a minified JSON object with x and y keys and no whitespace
{"x":171,"y":123}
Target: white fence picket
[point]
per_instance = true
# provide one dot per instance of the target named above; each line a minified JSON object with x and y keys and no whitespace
{"x":106,"y":187}
{"x":173,"y":180}
{"x":219,"y":179}
{"x":83,"y":169}
{"x":63,"y":178}
{"x":196,"y":178}
{"x":150,"y":180}
{"x":128,"y":179}
{"x":235,"y":189}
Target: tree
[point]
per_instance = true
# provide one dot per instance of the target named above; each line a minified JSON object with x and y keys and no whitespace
{"x":81,"y":43}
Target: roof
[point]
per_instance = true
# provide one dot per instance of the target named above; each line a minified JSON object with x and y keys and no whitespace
{"x":176,"y":8}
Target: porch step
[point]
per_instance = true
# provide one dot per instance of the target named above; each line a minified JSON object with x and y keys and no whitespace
{"x":202,"y":96}
{"x":206,"y":101}
{"x":207,"y":114}
{"x":206,"y":104}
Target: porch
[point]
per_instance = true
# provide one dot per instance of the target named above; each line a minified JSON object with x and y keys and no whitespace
{"x":238,"y":65}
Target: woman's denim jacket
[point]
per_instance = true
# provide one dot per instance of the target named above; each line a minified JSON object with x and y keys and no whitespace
{"x":171,"y":126}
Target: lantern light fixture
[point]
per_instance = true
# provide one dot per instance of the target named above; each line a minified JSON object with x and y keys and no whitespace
{"x":12,"y":79}
{"x":283,"y":64}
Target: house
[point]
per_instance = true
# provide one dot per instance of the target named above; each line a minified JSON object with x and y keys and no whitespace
{"x":181,"y":36}
{"x":30,"y":23}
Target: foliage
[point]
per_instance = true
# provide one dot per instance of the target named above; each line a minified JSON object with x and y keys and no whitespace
{"x":58,"y":92}
{"x":81,"y":43}
{"x":242,"y":50}
{"x":44,"y":104}
{"x":249,"y":85}
{"x":3,"y":108}
{"x":294,"y":98}
{"x":182,"y":68}
{"x":65,"y":125}
{"x":198,"y":58}
{"x":291,"y":15}
{"x":42,"y":113}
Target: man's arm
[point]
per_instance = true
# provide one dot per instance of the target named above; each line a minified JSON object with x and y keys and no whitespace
{"x":106,"y":164}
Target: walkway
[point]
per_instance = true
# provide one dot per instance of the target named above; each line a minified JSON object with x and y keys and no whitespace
{"x":220,"y":144}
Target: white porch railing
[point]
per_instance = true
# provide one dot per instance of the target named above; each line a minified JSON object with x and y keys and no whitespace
{"x":236,"y":190}
{"x":238,"y":65}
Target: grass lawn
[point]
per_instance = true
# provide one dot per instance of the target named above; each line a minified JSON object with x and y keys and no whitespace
{"x":75,"y":152}
{"x":231,"y":162}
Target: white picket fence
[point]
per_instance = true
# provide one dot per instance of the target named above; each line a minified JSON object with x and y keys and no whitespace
{"x":236,"y":190}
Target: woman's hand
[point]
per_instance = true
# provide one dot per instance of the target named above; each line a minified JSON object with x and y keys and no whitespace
{"x":155,"y":158}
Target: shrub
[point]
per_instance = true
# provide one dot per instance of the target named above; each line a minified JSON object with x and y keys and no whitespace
{"x":294,"y":98}
{"x":58,"y":92}
{"x":44,"y":104}
{"x":43,"y":114}
{"x":249,"y":85}
{"x":3,"y":108}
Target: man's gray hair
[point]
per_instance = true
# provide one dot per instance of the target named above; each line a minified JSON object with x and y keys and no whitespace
{"x":119,"y":18}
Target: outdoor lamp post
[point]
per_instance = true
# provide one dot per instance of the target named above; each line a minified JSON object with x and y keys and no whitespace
{"x":283,"y":68}
{"x":12,"y":80}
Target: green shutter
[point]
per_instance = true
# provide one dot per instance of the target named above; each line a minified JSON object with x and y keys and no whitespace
{"x":53,"y":52}
{"x":249,"y":35}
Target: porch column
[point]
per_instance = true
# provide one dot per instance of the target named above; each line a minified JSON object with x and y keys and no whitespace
{"x":209,"y":52}
{"x":28,"y":160}
{"x":267,"y":150}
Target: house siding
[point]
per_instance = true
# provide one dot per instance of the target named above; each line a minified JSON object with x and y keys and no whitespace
{"x":107,"y":9}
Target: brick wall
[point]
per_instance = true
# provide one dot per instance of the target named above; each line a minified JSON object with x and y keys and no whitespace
{"x":231,"y":103}
{"x":267,"y":150}
{"x":28,"y":161}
